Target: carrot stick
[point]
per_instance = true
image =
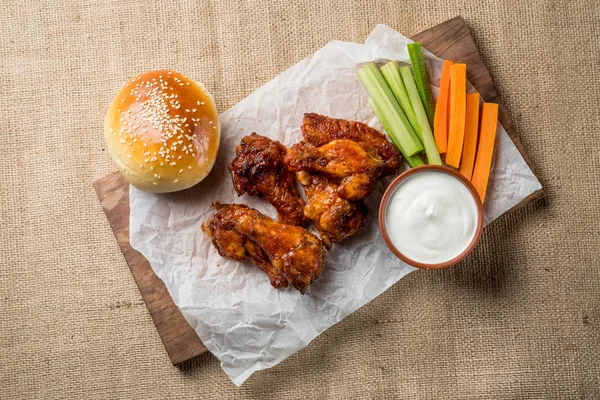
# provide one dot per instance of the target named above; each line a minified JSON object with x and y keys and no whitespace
{"x":470,"y":143}
{"x":487,"y":138}
{"x":440,"y":119}
{"x":458,"y":104}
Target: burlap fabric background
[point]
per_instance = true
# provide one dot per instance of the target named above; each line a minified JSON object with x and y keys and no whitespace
{"x":519,"y":319}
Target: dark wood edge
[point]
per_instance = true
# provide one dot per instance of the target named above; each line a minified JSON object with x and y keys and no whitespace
{"x":179,"y":338}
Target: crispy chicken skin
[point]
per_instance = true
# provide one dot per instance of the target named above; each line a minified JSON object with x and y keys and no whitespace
{"x":320,"y":130}
{"x":354,"y":166}
{"x":335,"y":218}
{"x":290,"y":255}
{"x":258,"y":169}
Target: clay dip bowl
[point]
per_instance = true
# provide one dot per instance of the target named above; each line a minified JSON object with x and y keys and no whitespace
{"x":383,"y":208}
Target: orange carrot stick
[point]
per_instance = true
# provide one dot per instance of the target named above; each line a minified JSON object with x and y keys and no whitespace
{"x":458,"y":104}
{"x":440,"y":119}
{"x":487,"y":138}
{"x":470,"y":143}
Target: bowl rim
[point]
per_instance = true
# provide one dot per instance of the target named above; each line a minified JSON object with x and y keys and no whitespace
{"x":383,"y":209}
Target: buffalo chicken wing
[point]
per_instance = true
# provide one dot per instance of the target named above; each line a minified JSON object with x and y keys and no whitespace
{"x":354,"y":166}
{"x":320,"y":130}
{"x":258,"y":169}
{"x":335,"y":218}
{"x":290,"y":255}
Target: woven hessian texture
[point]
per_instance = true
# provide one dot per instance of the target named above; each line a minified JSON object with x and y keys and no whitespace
{"x":519,"y":319}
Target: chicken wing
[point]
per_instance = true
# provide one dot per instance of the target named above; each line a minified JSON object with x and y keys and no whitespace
{"x":335,"y":218}
{"x":320,"y":130}
{"x":258,"y":169}
{"x":355,"y":166}
{"x":290,"y":255}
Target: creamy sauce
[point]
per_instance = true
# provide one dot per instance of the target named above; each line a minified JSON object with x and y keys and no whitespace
{"x":431,"y":217}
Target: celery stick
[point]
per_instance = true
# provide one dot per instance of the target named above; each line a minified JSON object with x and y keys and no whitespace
{"x":400,"y":129}
{"x":391,"y":73}
{"x":415,"y":52}
{"x":424,"y":130}
{"x":412,"y":161}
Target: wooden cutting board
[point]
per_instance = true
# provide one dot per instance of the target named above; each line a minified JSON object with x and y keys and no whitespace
{"x":449,"y":40}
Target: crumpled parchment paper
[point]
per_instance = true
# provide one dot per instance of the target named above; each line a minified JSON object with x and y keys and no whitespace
{"x":242,"y":320}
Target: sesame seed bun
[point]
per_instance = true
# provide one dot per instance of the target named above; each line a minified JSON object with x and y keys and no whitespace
{"x":162,"y":130}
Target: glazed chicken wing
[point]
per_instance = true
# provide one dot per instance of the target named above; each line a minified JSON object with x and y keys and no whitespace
{"x":290,"y":255}
{"x":355,"y":166}
{"x":258,"y":169}
{"x":320,"y":130}
{"x":335,"y":218}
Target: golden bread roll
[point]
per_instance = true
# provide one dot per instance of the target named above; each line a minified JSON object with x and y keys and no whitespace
{"x":162,"y":130}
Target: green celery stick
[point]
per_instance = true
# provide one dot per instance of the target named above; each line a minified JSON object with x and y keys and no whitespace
{"x":424,"y":130}
{"x":415,"y":52}
{"x":400,"y":129}
{"x":391,"y":73}
{"x":412,"y":161}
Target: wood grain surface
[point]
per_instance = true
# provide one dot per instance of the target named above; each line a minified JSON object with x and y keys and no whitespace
{"x":177,"y":335}
{"x":449,"y":40}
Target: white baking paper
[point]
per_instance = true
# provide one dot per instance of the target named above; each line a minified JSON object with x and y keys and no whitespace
{"x":242,"y":320}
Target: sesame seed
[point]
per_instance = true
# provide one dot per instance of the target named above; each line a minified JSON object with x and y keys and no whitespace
{"x":154,"y":183}
{"x":210,"y":122}
{"x":151,"y":168}
{"x":180,"y":171}
{"x":201,"y":103}
{"x":176,"y":180}
{"x":189,"y":167}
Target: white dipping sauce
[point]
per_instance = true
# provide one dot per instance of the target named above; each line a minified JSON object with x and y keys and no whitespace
{"x":431,"y":217}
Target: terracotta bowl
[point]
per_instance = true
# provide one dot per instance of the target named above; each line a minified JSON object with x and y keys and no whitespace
{"x":383,"y":210}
